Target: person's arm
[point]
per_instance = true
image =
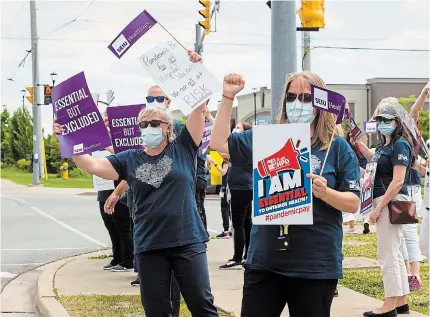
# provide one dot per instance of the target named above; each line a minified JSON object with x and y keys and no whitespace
{"x":399,"y":173}
{"x":110,"y":203}
{"x":232,"y":85}
{"x":100,"y":167}
{"x":209,"y":116}
{"x":419,"y":103}
{"x":367,"y":153}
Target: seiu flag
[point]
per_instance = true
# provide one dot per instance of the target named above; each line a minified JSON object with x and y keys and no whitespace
{"x":131,"y":33}
{"x":83,"y":128}
{"x":124,"y":127}
{"x":328,"y":100}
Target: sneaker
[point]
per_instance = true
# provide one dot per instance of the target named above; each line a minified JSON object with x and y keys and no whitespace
{"x":224,"y":235}
{"x":108,"y":267}
{"x":120,"y":268}
{"x":336,"y":293}
{"x":414,"y":284}
{"x":350,"y":231}
{"x":366,"y":229}
{"x":136,"y":282}
{"x":232,"y":265}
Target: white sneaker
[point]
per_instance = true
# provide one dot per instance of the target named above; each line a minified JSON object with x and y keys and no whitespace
{"x":350,"y":231}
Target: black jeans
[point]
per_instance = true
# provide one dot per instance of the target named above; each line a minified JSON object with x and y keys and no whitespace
{"x":119,"y":227}
{"x":241,"y":217}
{"x":190,"y":267}
{"x":200,"y":200}
{"x":225,"y":211}
{"x":265,"y":294}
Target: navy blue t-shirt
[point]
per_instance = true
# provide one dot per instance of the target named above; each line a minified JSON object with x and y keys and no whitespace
{"x":315,"y":251}
{"x":164,"y":194}
{"x":240,"y":173}
{"x":201,"y":167}
{"x":387,"y":157}
{"x":415,"y":177}
{"x":177,"y":126}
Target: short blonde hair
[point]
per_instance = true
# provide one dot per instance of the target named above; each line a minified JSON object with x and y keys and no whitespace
{"x":148,"y":112}
{"x":326,"y":125}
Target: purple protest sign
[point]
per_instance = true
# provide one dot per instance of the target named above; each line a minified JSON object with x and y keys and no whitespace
{"x":124,"y":129}
{"x":84,"y":129}
{"x":206,"y":138}
{"x":131,"y":33}
{"x":329,"y":101}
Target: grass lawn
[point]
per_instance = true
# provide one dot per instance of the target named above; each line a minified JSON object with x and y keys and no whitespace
{"x":23,"y":178}
{"x":111,"y":306}
{"x":369,"y":281}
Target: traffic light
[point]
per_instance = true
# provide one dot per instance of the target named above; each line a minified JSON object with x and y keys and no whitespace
{"x":206,"y":14}
{"x":311,"y":15}
{"x":47,"y":94}
{"x":30,"y":98}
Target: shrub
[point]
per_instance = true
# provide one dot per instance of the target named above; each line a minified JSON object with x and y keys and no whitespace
{"x":24,"y":165}
{"x":79,"y":173}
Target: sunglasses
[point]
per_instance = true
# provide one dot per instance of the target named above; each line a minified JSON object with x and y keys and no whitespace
{"x":384,"y":120}
{"x":160,"y":99}
{"x":291,"y":97}
{"x":152,"y":123}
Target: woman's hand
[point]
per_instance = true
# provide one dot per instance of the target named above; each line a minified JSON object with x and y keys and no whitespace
{"x":57,"y":128}
{"x":210,"y":160}
{"x":232,"y":85}
{"x":319,"y":185}
{"x":194,"y":57}
{"x":110,"y":204}
{"x":375,"y":214}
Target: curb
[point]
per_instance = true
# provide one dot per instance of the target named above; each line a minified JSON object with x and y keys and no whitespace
{"x":45,"y":296}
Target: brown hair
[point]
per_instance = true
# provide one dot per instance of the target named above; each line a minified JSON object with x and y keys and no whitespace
{"x":324,"y":123}
{"x":245,"y":125}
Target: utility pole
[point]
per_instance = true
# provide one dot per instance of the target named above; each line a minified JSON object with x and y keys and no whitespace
{"x":37,"y":130}
{"x":306,"y":59}
{"x":284,"y":50}
{"x":198,"y":47}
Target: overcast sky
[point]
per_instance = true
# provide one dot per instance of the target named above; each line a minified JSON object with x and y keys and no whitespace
{"x":240,"y":44}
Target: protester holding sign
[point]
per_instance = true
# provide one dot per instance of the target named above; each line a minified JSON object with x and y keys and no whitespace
{"x":169,"y":234}
{"x":394,"y":158}
{"x":304,"y":274}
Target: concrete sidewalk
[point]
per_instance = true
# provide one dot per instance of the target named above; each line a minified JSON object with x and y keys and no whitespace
{"x":82,"y":275}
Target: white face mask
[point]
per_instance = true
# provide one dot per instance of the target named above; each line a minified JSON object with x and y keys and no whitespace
{"x":236,"y":131}
{"x":299,"y":112}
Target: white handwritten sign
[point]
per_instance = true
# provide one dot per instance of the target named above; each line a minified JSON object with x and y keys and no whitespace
{"x":371,"y":127}
{"x":186,"y":83}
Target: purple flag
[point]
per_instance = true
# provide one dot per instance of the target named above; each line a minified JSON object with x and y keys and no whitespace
{"x":329,"y":101}
{"x":206,"y":138}
{"x":74,"y":108}
{"x":124,"y":129}
{"x":131,"y":33}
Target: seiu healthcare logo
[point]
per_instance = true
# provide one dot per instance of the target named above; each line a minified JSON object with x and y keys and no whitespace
{"x":78,"y":148}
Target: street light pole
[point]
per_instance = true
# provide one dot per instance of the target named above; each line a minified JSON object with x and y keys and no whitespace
{"x":255,"y":105}
{"x":23,"y":97}
{"x":53,"y":74}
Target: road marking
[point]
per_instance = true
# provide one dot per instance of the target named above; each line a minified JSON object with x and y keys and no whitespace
{"x":7,"y":275}
{"x":46,"y":249}
{"x":70,"y":228}
{"x":21,"y":264}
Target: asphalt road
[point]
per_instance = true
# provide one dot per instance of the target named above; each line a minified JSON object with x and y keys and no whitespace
{"x":40,"y":228}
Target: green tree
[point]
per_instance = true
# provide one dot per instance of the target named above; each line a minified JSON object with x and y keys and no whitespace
{"x":407,"y":102}
{"x":20,"y":130}
{"x":423,"y":121}
{"x":6,"y":155}
{"x":52,"y":152}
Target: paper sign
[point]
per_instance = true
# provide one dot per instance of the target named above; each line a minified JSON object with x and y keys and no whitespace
{"x":371,"y":127}
{"x":366,"y":194}
{"x":124,"y":129}
{"x":354,"y":130}
{"x":187,"y":84}
{"x":282,"y":192}
{"x":206,"y":138}
{"x":131,"y":33}
{"x":98,"y":182}
{"x":329,"y":101}
{"x":75,"y":110}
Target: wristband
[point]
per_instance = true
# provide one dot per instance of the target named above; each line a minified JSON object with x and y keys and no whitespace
{"x":232,"y":99}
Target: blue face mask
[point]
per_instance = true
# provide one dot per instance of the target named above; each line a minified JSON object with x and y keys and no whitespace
{"x":385,"y":128}
{"x":299,"y":112}
{"x":152,"y":137}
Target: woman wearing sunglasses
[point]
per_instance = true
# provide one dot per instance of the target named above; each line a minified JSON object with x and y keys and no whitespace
{"x":394,"y":157}
{"x":169,"y":234}
{"x":304,"y":274}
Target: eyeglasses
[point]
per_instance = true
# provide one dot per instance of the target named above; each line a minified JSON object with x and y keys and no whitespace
{"x":291,"y":97}
{"x":152,"y":123}
{"x":160,"y":99}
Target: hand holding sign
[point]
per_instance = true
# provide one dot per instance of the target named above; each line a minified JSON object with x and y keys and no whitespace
{"x":232,"y":85}
{"x":319,"y":185}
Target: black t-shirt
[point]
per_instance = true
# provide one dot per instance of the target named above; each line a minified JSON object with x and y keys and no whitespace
{"x":224,"y":178}
{"x":387,"y":157}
